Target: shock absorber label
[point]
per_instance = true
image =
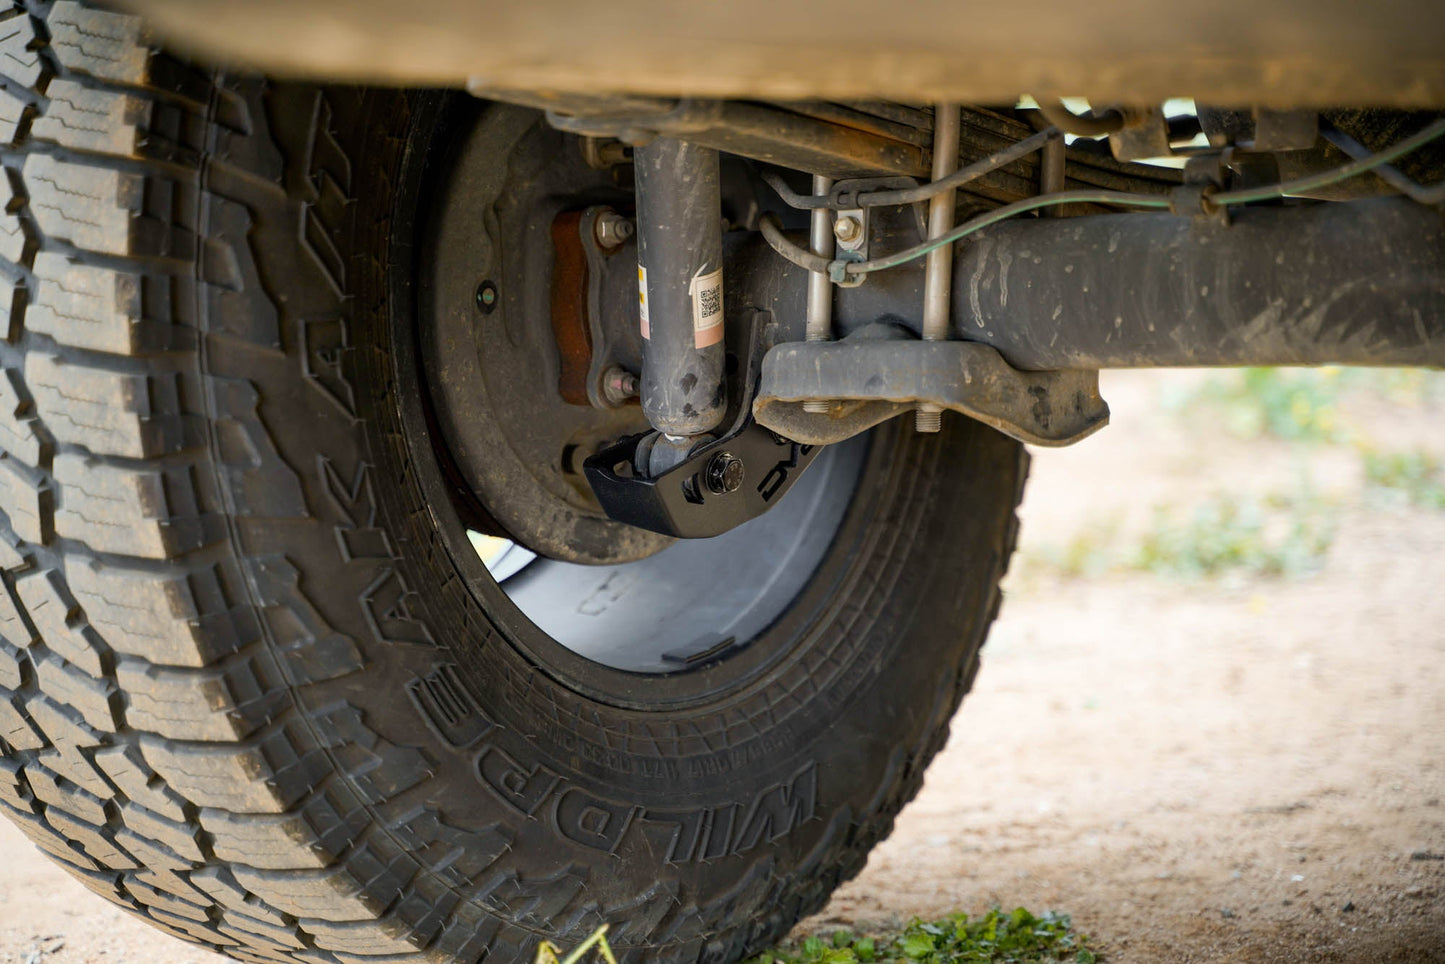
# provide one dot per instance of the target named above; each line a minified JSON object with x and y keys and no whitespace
{"x":642,"y":301}
{"x":707,"y":308}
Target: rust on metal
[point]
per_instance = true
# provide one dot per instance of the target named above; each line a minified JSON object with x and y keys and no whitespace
{"x":569,"y":308}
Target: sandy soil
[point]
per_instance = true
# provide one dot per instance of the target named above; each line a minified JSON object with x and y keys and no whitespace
{"x":1233,"y":770}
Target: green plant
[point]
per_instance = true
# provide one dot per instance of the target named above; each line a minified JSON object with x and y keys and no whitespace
{"x":1415,"y":475}
{"x":1413,"y":387}
{"x":1277,"y":536}
{"x":1301,"y":404}
{"x":1090,"y":551}
{"x":997,"y":937}
{"x":596,"y":942}
{"x":1298,"y":404}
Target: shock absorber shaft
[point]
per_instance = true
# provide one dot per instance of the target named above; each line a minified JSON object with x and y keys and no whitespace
{"x":679,"y":256}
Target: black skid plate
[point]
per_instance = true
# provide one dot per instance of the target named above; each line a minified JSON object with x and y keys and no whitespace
{"x":679,"y":502}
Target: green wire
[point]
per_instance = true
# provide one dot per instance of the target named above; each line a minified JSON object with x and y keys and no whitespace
{"x":1125,"y":199}
{"x":1001,"y":214}
{"x":1313,"y":181}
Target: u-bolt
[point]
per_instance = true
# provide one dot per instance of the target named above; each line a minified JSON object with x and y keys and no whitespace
{"x":938,"y":270}
{"x":820,"y":289}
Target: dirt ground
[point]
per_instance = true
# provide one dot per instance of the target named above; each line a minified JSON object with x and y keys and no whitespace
{"x":1244,"y":769}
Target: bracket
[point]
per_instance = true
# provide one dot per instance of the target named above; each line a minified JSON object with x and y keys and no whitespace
{"x":1145,"y":134}
{"x":587,"y":347}
{"x":881,"y":371}
{"x":721,"y":483}
{"x":851,"y":230}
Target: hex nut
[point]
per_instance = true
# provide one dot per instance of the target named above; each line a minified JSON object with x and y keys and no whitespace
{"x":619,"y":385}
{"x":724,"y":473}
{"x":612,"y":229}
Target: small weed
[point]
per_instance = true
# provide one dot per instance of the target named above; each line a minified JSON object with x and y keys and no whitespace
{"x":1414,"y":476}
{"x":1276,"y":537}
{"x":1411,"y":387}
{"x":597,"y":943}
{"x":1091,"y":551}
{"x":1301,"y":404}
{"x":995,"y":938}
{"x":1298,"y":404}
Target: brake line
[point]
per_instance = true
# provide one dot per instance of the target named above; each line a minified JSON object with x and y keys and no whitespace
{"x":839,"y":271}
{"x":923,"y":192}
{"x":1313,"y":182}
{"x":1081,"y":125}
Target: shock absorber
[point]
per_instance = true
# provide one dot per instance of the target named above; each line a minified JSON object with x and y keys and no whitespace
{"x":680,"y":284}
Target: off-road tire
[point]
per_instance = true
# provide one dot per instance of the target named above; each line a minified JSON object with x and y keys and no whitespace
{"x":246,"y":689}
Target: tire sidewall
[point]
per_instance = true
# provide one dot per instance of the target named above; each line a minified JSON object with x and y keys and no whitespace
{"x":723,"y":819}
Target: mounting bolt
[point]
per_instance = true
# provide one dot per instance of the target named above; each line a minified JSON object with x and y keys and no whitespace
{"x":612,"y":229}
{"x":618,"y":385}
{"x":724,"y":473}
{"x":486,"y":297}
{"x":847,"y":229}
{"x":818,"y":406}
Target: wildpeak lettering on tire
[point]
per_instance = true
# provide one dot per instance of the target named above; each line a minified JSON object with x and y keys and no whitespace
{"x":257,"y":684}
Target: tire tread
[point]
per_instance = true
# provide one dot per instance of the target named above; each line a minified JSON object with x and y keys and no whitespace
{"x":148,"y":737}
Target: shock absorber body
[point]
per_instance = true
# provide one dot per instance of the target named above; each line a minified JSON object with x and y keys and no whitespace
{"x":679,"y":230}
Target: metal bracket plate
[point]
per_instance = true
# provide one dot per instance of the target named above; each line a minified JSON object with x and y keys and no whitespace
{"x":1145,"y":134}
{"x":881,"y":371}
{"x":679,"y":502}
{"x":587,"y":346}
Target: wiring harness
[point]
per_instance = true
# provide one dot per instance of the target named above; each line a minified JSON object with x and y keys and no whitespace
{"x":1187,"y":200}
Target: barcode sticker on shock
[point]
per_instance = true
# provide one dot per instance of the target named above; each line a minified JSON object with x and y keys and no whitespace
{"x":642,"y":301}
{"x":707,"y":309}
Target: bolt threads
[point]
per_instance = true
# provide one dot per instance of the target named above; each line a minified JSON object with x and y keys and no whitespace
{"x":928,"y":419}
{"x":817,"y":406}
{"x":618,"y":385}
